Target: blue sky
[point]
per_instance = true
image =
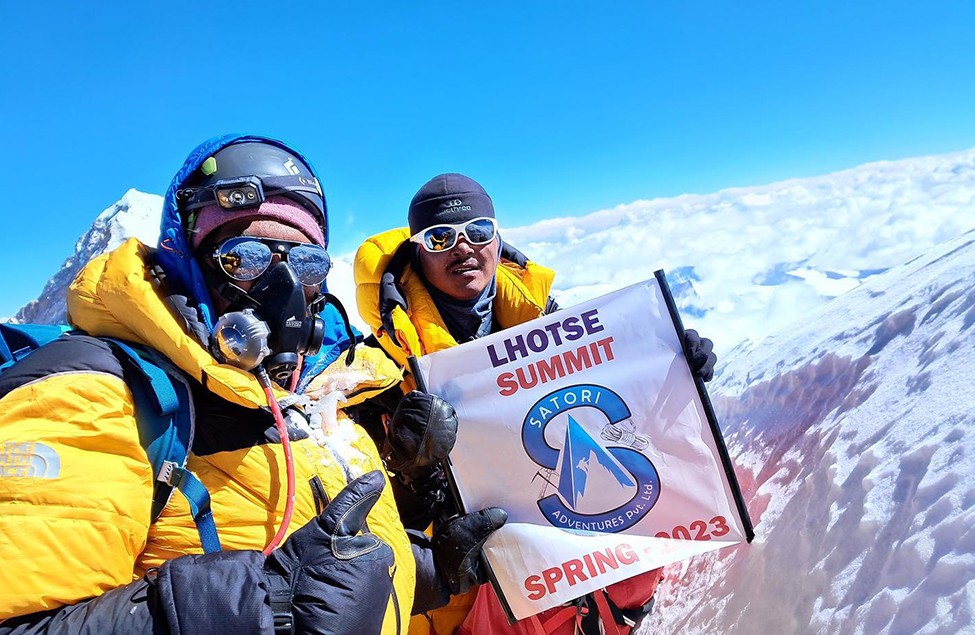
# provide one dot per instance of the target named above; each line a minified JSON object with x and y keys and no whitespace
{"x":558,"y":108}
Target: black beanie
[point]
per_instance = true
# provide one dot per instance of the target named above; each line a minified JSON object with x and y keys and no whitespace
{"x":448,"y":199}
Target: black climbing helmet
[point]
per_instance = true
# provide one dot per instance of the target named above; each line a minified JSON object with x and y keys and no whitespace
{"x":243,"y":175}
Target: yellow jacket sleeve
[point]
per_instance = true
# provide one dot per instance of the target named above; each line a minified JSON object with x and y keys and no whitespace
{"x":75,"y":491}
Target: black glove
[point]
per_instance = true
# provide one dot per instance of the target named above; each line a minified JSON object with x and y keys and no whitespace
{"x":457,"y":547}
{"x":340,"y":580}
{"x":700,"y":355}
{"x":326,"y":578}
{"x":421,"y":434}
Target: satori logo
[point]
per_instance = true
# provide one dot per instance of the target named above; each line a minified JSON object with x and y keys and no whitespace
{"x":584,"y":464}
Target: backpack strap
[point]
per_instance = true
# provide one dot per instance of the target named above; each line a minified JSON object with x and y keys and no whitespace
{"x":630,"y":617}
{"x":20,"y":340}
{"x":576,"y":610}
{"x":166,"y":423}
{"x":560,"y":617}
{"x":610,"y":619}
{"x":199,"y":499}
{"x":607,"y":619}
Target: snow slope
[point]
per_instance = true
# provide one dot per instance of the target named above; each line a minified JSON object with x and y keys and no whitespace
{"x":854,"y":433}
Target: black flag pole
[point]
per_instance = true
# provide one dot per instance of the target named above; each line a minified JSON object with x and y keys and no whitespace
{"x":726,"y":462}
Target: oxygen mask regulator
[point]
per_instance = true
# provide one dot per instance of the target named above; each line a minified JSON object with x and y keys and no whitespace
{"x":273,"y":327}
{"x":273,"y":324}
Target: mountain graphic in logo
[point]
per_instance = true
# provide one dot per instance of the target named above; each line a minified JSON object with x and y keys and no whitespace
{"x":578,"y":453}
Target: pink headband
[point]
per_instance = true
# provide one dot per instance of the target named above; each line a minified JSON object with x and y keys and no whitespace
{"x":280,"y":208}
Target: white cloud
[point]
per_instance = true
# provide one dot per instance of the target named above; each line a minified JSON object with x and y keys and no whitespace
{"x":766,"y":255}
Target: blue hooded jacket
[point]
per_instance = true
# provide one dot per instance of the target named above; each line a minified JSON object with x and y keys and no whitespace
{"x":183,"y":273}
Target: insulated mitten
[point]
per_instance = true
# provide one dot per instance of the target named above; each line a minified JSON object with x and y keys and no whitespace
{"x":700,"y":355}
{"x":457,"y":547}
{"x":326,"y":578}
{"x":421,"y":433}
{"x":340,"y":579}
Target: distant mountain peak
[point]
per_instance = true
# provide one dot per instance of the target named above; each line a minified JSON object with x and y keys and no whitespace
{"x":136,"y":214}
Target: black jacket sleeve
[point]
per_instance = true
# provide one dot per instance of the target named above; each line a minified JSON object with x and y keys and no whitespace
{"x":431,"y":593}
{"x":229,"y":595}
{"x":128,"y":609}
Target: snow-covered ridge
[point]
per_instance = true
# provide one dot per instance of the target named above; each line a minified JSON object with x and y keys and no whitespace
{"x":747,"y":261}
{"x":852,"y":432}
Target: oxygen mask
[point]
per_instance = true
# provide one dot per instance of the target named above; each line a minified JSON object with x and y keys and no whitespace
{"x":273,"y":325}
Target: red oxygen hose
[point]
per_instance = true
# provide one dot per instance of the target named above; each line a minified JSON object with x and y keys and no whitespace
{"x":289,"y":506}
{"x":293,"y":384}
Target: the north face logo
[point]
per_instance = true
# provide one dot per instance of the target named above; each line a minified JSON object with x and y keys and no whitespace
{"x":28,"y":459}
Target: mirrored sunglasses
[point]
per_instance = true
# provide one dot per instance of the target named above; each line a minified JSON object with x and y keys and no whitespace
{"x":247,"y":257}
{"x":478,"y":231}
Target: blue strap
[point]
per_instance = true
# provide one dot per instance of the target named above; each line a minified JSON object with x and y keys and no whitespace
{"x":199,"y":499}
{"x":169,"y":444}
{"x":6,"y":355}
{"x":164,"y":395}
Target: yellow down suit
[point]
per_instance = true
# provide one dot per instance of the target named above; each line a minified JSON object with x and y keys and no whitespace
{"x":84,"y":529}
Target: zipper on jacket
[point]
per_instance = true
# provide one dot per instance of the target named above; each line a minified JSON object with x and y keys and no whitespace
{"x":399,"y":623}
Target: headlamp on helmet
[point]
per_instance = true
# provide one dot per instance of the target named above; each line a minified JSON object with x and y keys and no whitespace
{"x":239,"y":193}
{"x":242,"y":192}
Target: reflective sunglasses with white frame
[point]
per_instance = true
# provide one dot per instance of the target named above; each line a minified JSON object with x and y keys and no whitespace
{"x":439,"y":238}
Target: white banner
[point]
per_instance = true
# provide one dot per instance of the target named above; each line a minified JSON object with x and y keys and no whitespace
{"x":588,"y":428}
